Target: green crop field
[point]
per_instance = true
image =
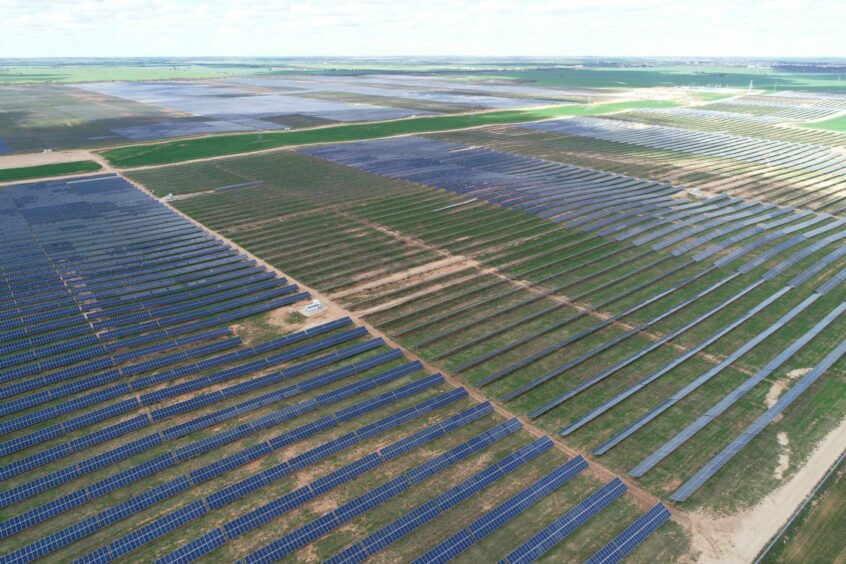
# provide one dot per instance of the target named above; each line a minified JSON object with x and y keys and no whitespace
{"x":815,"y":534}
{"x":44,"y":171}
{"x":220,"y":145}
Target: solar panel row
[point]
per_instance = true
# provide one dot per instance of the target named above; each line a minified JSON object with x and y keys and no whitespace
{"x":50,"y":543}
{"x":732,"y":397}
{"x":502,"y":514}
{"x":95,"y":366}
{"x":204,"y":421}
{"x":631,"y":537}
{"x":430,"y":510}
{"x":174,"y":519}
{"x":178,"y":389}
{"x":708,"y":374}
{"x":317,"y":528}
{"x":560,"y":528}
{"x":722,"y":458}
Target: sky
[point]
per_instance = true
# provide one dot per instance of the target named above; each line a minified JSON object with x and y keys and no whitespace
{"x":714,"y":28}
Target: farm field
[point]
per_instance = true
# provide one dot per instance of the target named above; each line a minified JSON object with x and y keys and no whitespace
{"x":70,"y":73}
{"x":43,"y":171}
{"x":674,"y":75}
{"x":552,"y":74}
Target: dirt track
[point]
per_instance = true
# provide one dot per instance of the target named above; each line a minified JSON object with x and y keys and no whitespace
{"x":36,"y":159}
{"x":739,"y":538}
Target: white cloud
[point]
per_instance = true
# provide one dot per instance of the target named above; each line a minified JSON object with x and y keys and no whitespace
{"x":433,"y":27}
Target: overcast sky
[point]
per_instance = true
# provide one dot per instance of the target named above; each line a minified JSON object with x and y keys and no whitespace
{"x":65,"y":28}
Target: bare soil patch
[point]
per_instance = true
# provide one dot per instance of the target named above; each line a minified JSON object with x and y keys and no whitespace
{"x":739,"y":538}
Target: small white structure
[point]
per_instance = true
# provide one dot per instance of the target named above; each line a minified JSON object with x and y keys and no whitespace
{"x":168,"y":198}
{"x":313,"y":308}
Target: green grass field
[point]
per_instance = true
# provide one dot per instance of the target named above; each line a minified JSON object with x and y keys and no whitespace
{"x":837,"y":124}
{"x":552,"y":74}
{"x":45,"y":171}
{"x":221,"y":145}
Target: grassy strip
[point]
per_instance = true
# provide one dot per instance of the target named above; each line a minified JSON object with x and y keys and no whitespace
{"x":836,"y":124}
{"x":220,"y":145}
{"x":42,"y":171}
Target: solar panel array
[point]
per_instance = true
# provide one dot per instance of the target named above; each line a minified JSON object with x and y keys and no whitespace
{"x":825,"y":165}
{"x":735,"y":395}
{"x":503,"y":513}
{"x":566,"y":524}
{"x":782,"y":255}
{"x":421,"y":515}
{"x":578,"y":196}
{"x":750,"y":117}
{"x":131,"y":410}
{"x":755,"y":428}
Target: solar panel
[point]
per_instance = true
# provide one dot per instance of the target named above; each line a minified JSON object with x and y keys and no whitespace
{"x":649,"y":348}
{"x":503,"y":513}
{"x":261,"y":449}
{"x":566,"y":524}
{"x":422,"y":514}
{"x":632,"y":536}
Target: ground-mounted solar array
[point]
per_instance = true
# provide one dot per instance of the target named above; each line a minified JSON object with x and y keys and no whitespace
{"x":783,"y":172}
{"x":37,"y":117}
{"x":609,"y":329}
{"x":164,"y":401}
{"x":793,"y":157}
{"x":57,"y":116}
{"x":712,"y":147}
{"x":242,"y":193}
{"x":649,"y":332}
